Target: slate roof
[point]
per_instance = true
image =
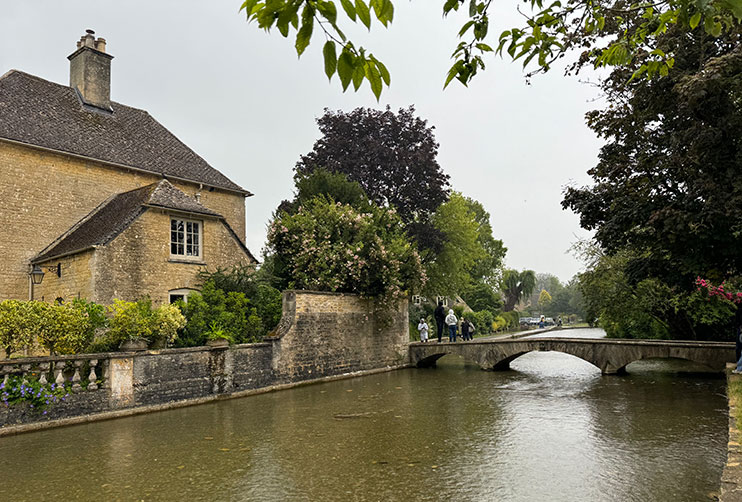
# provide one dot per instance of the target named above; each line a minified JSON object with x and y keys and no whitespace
{"x":116,"y":213}
{"x":41,"y":113}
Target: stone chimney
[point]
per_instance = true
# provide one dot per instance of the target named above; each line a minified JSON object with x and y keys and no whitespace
{"x":90,"y":71}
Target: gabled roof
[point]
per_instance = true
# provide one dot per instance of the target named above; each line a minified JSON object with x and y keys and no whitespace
{"x":116,"y":213}
{"x":37,"y":112}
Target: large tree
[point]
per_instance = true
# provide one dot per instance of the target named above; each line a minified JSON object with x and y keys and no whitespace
{"x":488,"y":268}
{"x":667,"y":185}
{"x":612,"y":32}
{"x":517,"y":286}
{"x":393,"y":158}
{"x":449,"y":270}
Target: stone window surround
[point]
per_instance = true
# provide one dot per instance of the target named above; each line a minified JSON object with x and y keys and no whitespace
{"x":180,"y":292}
{"x":184,"y":257}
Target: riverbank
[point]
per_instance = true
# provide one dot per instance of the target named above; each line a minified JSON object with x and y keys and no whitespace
{"x":731,"y":478}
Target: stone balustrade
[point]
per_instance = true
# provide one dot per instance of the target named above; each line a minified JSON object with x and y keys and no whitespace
{"x":84,"y":372}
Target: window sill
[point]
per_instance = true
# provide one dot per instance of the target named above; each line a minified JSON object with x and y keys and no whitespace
{"x":186,"y":262}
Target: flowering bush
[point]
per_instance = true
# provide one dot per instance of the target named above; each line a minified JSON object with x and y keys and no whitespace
{"x":330,"y":246}
{"x":723,"y":291}
{"x":39,"y":396}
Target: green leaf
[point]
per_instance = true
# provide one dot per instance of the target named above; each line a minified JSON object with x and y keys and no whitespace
{"x":453,"y":72}
{"x":694,"y":20}
{"x":349,"y":8}
{"x":450,"y":5}
{"x":248,"y":7}
{"x":363,"y":13}
{"x":735,"y":6}
{"x":328,"y":51}
{"x":382,"y":70}
{"x":287,"y":15}
{"x":466,"y":27}
{"x":374,"y":78}
{"x":345,"y":68}
{"x":305,"y":32}
{"x":359,"y":72}
{"x":328,"y":11}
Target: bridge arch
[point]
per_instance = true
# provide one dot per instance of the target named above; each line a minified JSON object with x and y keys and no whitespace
{"x":610,"y":356}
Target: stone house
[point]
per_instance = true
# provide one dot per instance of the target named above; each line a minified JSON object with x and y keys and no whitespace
{"x":101,"y":198}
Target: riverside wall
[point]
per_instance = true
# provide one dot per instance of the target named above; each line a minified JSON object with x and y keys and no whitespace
{"x":731,"y":477}
{"x":320,"y":336}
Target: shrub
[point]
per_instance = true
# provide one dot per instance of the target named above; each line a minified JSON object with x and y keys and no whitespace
{"x":230,"y":312}
{"x":166,"y":321}
{"x":64,"y":329}
{"x":18,"y":323}
{"x":499,"y":323}
{"x":130,"y":320}
{"x":482,"y":321}
{"x":139,"y":321}
{"x":255,"y":285}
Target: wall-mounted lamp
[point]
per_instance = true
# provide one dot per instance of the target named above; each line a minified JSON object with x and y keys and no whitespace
{"x":37,"y":273}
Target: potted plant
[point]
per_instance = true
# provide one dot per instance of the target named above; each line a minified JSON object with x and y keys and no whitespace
{"x":130,"y":324}
{"x":218,"y":336}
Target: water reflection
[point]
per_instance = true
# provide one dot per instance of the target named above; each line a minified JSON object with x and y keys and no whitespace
{"x":552,"y":429}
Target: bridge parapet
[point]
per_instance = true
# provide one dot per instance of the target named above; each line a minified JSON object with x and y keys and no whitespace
{"x":610,"y":355}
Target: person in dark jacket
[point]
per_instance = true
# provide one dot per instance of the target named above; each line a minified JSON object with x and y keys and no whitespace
{"x":440,"y":319}
{"x":465,"y":334}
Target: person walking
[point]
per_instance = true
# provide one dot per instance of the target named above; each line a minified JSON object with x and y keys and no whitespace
{"x":440,"y":319}
{"x":465,"y":329}
{"x":451,"y":321}
{"x":423,"y":329}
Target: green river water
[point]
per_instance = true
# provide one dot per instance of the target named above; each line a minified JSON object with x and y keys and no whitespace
{"x":551,"y":429}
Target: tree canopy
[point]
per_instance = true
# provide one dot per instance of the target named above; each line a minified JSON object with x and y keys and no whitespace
{"x":449,"y":271}
{"x":392,"y":156}
{"x":611,"y":32}
{"x":516,"y":286}
{"x":666,"y":198}
{"x":667,"y":184}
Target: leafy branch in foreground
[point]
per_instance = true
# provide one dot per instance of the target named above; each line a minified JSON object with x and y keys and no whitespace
{"x":611,"y":33}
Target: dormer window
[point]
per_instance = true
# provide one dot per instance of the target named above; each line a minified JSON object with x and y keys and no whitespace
{"x":185,"y":239}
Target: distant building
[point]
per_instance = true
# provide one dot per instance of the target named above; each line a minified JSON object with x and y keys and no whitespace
{"x":102,"y":198}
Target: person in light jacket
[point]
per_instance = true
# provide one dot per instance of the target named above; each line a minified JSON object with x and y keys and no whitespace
{"x":423,"y":329}
{"x":451,"y":321}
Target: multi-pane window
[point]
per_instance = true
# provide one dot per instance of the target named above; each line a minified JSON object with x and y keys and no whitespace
{"x":185,"y":238}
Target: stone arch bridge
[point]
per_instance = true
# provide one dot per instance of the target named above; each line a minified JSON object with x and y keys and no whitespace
{"x":610,"y":355}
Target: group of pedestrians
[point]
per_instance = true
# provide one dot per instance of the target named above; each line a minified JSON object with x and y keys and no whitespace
{"x":450,"y":322}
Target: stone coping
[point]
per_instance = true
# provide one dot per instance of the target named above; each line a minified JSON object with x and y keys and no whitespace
{"x":109,"y":415}
{"x":124,"y":355}
{"x":592,"y":341}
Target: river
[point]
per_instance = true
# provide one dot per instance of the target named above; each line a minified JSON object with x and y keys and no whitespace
{"x":551,"y":429}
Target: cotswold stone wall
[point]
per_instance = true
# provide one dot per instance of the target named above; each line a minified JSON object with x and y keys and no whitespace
{"x":323,"y":334}
{"x":320,"y":335}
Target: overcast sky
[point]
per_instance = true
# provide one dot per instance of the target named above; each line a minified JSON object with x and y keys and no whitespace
{"x":243,"y":101}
